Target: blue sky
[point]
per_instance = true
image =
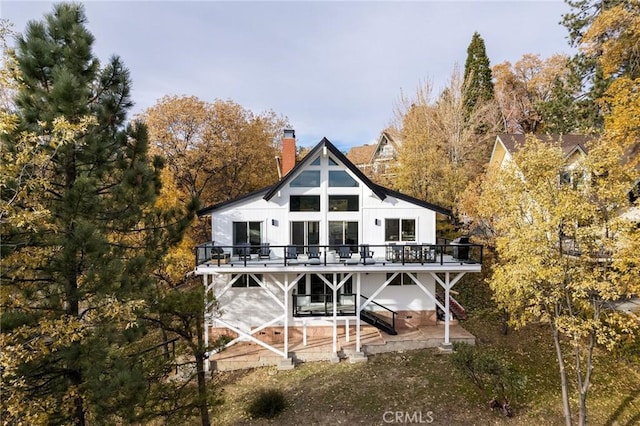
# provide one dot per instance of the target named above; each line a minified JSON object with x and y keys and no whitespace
{"x":335,"y":69}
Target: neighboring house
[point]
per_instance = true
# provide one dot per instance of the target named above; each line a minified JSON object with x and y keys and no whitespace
{"x":377,"y":161}
{"x":574,"y":147}
{"x":323,"y":248}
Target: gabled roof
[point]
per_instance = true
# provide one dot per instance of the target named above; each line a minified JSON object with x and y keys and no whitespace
{"x":569,"y":143}
{"x":324,"y":143}
{"x":380,"y":191}
{"x":385,"y":134}
{"x":361,"y":154}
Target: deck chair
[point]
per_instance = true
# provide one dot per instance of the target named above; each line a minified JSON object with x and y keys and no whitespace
{"x":265,"y":251}
{"x":366,"y":255}
{"x":291,"y":254}
{"x":314,"y":255}
{"x":244,"y":251}
{"x":344,"y":252}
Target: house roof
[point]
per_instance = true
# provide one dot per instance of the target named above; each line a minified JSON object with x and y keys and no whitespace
{"x":361,"y":154}
{"x":569,"y":143}
{"x":380,"y":191}
{"x":324,"y":143}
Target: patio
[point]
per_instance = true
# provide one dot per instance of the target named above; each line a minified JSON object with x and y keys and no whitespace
{"x":319,"y":347}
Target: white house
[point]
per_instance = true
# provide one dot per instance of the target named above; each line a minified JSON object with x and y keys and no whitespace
{"x":326,"y":248}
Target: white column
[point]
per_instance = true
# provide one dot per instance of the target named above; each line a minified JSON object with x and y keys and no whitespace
{"x":335,"y":314}
{"x":286,"y":316}
{"x":346,"y":329}
{"x":358,"y":312}
{"x":206,"y":321}
{"x":446,"y":308}
{"x":304,"y":332}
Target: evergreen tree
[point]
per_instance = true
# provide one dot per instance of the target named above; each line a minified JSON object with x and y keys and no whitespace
{"x":585,"y":67}
{"x":477,"y":73}
{"x":73,"y":280}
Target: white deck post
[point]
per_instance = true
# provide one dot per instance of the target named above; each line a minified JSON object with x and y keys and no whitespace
{"x":346,"y":329}
{"x":358,"y":312}
{"x":446,"y":309}
{"x":286,"y":316}
{"x":304,"y":332}
{"x":335,"y":315}
{"x":206,"y":322}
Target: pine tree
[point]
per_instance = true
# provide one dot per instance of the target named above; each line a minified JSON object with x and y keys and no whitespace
{"x":586,"y":67}
{"x":477,"y":73}
{"x":73,"y":280}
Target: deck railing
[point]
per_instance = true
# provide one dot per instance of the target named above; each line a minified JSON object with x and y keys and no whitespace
{"x":348,"y":254}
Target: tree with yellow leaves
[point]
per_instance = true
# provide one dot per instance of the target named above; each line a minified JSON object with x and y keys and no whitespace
{"x":566,"y":251}
{"x":441,"y":150}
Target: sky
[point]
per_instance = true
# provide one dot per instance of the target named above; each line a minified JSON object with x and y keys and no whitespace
{"x":335,"y":69}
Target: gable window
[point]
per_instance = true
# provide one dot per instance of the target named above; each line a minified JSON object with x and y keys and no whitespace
{"x":304,"y":203}
{"x":332,"y":162}
{"x":246,"y":280}
{"x":341,"y":179}
{"x":315,"y":162}
{"x":305,"y":234}
{"x":247,"y":233}
{"x":306,"y":179}
{"x":343,"y":232}
{"x":400,"y":279}
{"x":400,"y":229}
{"x":344,"y":203}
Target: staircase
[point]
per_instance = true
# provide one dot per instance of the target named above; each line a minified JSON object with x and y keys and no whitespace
{"x":456,"y":309}
{"x":376,"y":321}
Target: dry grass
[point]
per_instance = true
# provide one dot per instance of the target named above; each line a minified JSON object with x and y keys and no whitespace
{"x":424,"y":381}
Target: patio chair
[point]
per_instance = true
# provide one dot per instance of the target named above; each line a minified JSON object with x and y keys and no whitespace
{"x":344,"y":252}
{"x":291,"y":255}
{"x":265,"y":251}
{"x":314,"y":255}
{"x":244,"y":251}
{"x":366,"y":255}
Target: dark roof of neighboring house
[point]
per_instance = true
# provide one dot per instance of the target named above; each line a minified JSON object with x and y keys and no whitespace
{"x":361,"y":154}
{"x":568,"y":143}
{"x":380,"y":191}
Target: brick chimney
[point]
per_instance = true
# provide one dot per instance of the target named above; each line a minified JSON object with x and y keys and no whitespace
{"x":288,"y":151}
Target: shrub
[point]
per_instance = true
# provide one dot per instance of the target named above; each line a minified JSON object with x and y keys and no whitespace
{"x":267,"y":403}
{"x":494,"y":377}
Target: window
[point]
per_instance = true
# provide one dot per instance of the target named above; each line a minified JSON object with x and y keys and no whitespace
{"x":574,"y":178}
{"x":247,"y":233}
{"x":401,"y":279}
{"x":400,"y":229}
{"x":246,"y":280}
{"x":305,"y":234}
{"x":304,"y":203}
{"x":307,"y":179}
{"x":332,"y":162}
{"x":342,"y":179}
{"x":315,"y":162}
{"x":320,"y":292}
{"x":344,"y":203}
{"x":341,"y":232}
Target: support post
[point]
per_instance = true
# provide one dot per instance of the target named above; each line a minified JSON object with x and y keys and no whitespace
{"x":286,"y":316}
{"x":346,"y":329}
{"x":358,"y":297}
{"x":447,"y":314}
{"x":304,"y":332}
{"x":206,"y":322}
{"x":334,"y":357}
